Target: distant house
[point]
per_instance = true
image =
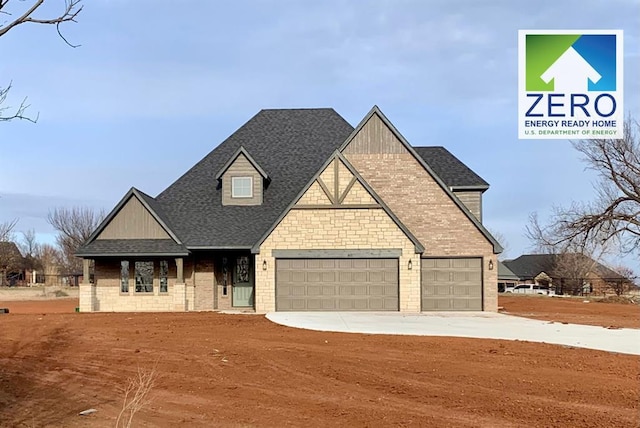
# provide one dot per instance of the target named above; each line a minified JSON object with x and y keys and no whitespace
{"x":299,"y":211}
{"x":506,"y":278}
{"x":11,"y":264}
{"x":570,"y":273}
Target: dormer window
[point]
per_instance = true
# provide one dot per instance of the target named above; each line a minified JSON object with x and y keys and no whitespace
{"x":242,"y":187}
{"x":242,"y":180}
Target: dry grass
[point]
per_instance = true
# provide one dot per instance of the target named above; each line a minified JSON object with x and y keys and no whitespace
{"x":136,"y":395}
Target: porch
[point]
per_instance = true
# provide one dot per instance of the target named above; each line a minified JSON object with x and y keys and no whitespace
{"x":201,"y":281}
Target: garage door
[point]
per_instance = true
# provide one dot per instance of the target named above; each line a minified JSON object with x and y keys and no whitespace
{"x":452,"y":284}
{"x":337,"y":285}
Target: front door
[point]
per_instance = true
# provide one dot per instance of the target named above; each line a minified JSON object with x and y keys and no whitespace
{"x":242,"y":283}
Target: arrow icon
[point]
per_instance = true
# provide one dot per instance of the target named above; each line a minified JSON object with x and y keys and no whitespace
{"x":571,"y":73}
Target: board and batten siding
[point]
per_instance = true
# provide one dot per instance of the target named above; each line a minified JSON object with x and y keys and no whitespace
{"x":133,"y":221}
{"x":375,"y":137}
{"x":472,"y":200}
{"x":241,"y":167}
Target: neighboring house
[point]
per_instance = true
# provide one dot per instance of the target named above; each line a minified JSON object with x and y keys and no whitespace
{"x":11,"y":264}
{"x":570,"y":273}
{"x":299,"y":211}
{"x":506,"y":278}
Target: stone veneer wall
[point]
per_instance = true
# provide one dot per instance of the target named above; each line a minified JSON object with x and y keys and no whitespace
{"x":337,"y":229}
{"x":105,"y":295}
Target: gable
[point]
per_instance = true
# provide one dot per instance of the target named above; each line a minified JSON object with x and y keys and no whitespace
{"x":413,"y":191}
{"x":330,"y":180}
{"x":133,"y":221}
{"x":241,"y":167}
{"x":336,"y":187}
{"x":375,"y":137}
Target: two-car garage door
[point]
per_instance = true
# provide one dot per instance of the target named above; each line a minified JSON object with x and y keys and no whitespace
{"x":337,"y":284}
{"x":358,"y":284}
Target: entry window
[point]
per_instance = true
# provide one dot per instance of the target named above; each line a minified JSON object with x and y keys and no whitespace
{"x":164,"y":276}
{"x":144,"y":277}
{"x":124,"y":276}
{"x":241,"y":187}
{"x":242,"y":269}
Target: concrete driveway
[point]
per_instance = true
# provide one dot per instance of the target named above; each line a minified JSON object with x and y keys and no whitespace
{"x":481,"y":325}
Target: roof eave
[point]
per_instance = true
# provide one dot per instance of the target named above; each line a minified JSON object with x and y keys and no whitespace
{"x":241,"y":151}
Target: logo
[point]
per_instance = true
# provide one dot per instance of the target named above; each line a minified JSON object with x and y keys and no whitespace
{"x":570,"y":84}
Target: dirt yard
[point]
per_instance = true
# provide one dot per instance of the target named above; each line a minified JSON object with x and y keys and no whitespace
{"x":242,"y":370}
{"x":572,"y":310}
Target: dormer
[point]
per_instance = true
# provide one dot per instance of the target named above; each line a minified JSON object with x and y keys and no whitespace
{"x":242,"y":180}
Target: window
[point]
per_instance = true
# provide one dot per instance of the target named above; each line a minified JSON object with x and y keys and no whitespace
{"x":144,"y":277}
{"x":241,"y":187}
{"x":124,"y":276}
{"x":242,"y":269}
{"x":164,"y":275}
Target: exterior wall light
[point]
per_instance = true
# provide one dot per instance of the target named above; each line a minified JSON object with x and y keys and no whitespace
{"x":409,"y":265}
{"x":490,"y":264}
{"x":264,"y":265}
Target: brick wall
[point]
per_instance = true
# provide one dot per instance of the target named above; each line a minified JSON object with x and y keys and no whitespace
{"x":204,"y":284}
{"x":337,"y":229}
{"x":420,"y":203}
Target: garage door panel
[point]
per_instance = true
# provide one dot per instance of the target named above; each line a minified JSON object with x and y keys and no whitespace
{"x":452,"y":284}
{"x":345,"y":284}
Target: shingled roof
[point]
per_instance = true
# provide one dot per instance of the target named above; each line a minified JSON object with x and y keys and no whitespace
{"x":450,"y":169}
{"x":528,"y":266}
{"x":290,"y":144}
{"x":286,"y":145}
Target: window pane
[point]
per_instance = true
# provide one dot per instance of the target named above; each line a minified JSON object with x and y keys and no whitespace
{"x":144,"y":277}
{"x":242,"y":269}
{"x":241,"y":187}
{"x":164,"y":276}
{"x":124,"y":276}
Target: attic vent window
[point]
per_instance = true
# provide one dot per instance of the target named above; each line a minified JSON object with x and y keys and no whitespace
{"x":241,"y":187}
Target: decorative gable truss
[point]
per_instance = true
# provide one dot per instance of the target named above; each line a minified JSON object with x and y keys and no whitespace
{"x":337,"y":187}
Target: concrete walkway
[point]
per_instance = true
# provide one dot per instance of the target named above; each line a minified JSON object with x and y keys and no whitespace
{"x":481,"y":325}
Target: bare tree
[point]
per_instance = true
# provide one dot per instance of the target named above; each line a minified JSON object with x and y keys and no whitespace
{"x":614,"y":215}
{"x":6,"y":230}
{"x":574,"y":260}
{"x":503,"y":243}
{"x":75,"y":226}
{"x":626,"y":283}
{"x":50,"y":259}
{"x":29,"y":243}
{"x":30,"y":250}
{"x":25,"y":13}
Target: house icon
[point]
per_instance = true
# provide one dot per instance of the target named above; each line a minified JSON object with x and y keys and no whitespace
{"x":571,"y":73}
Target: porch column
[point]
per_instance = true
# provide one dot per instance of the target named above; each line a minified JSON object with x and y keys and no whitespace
{"x":87,"y":289}
{"x":179,"y":292}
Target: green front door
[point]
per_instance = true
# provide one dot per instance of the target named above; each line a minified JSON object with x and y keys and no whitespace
{"x":242,"y":282}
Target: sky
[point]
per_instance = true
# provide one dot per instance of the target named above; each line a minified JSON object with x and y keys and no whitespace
{"x":156,"y":85}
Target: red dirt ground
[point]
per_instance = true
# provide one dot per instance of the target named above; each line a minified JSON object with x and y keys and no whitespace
{"x":242,"y":370}
{"x":572,"y":310}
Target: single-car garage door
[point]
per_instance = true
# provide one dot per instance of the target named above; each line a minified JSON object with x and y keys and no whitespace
{"x":337,"y":285}
{"x":452,"y":284}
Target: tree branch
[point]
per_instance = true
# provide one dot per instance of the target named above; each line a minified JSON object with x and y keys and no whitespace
{"x":72,"y":9}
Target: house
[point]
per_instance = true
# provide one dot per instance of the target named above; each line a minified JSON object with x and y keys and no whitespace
{"x":299,"y":211}
{"x":506,"y":278}
{"x":11,"y":264}
{"x":569,"y":273}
